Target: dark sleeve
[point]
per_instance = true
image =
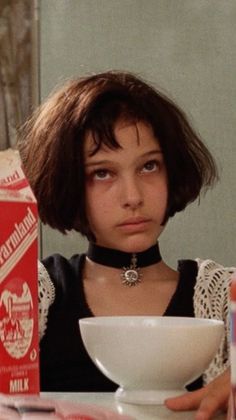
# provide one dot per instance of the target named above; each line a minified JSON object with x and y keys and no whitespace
{"x":64,"y":363}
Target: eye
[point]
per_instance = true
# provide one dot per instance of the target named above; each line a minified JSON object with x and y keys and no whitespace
{"x":101,"y":174}
{"x":151,"y":166}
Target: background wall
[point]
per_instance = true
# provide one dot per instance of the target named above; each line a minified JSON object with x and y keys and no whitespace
{"x":188,"y":49}
{"x":17,"y":54}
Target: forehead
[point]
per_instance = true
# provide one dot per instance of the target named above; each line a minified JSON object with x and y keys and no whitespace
{"x":128,"y":134}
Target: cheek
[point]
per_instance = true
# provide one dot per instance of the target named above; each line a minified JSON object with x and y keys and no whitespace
{"x":164,"y":197}
{"x":97,"y":208}
{"x":159,"y":197}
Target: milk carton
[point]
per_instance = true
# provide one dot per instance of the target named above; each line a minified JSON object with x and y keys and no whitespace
{"x":19,"y":355}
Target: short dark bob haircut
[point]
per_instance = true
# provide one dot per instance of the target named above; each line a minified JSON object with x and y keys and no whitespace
{"x":51,"y":144}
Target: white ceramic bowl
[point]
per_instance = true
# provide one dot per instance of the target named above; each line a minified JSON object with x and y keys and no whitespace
{"x":150,"y":357}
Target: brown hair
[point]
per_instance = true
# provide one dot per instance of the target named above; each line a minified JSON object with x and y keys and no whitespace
{"x":51,"y":144}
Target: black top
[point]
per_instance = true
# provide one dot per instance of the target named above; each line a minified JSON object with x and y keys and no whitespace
{"x":64,"y":363}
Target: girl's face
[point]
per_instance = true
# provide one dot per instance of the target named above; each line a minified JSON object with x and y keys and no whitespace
{"x":126,"y":189}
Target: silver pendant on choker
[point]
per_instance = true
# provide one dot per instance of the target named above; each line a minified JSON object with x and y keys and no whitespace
{"x":131,"y":275}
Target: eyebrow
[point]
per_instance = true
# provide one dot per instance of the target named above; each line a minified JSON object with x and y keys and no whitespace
{"x":107,"y":161}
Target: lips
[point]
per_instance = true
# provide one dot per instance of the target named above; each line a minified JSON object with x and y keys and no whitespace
{"x":134,"y":224}
{"x":134,"y":221}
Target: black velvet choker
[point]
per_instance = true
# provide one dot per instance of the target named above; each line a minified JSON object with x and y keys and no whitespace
{"x":130,"y":263}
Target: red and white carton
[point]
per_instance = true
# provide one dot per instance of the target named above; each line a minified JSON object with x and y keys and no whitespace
{"x":19,"y":350}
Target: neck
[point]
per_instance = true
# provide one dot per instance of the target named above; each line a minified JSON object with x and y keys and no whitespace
{"x":119,"y":259}
{"x":129,"y":262}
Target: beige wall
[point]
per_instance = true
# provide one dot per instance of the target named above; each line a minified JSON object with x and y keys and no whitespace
{"x":188,"y":48}
{"x":17,"y":53}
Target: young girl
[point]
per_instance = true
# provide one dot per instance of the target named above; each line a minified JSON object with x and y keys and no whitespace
{"x":113,"y":159}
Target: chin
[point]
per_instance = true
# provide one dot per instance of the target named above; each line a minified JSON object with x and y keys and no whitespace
{"x":135,"y":245}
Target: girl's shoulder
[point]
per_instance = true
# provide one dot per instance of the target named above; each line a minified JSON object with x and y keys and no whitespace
{"x":46,"y":297}
{"x":211,"y":296}
{"x":53,"y":275}
{"x":211,"y":273}
{"x":57,"y":269}
{"x":212,"y":300}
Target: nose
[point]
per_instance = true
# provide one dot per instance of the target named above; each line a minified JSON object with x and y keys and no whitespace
{"x":131,"y":193}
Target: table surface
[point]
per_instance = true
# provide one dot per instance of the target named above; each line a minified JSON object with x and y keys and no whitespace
{"x":139,"y":412}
